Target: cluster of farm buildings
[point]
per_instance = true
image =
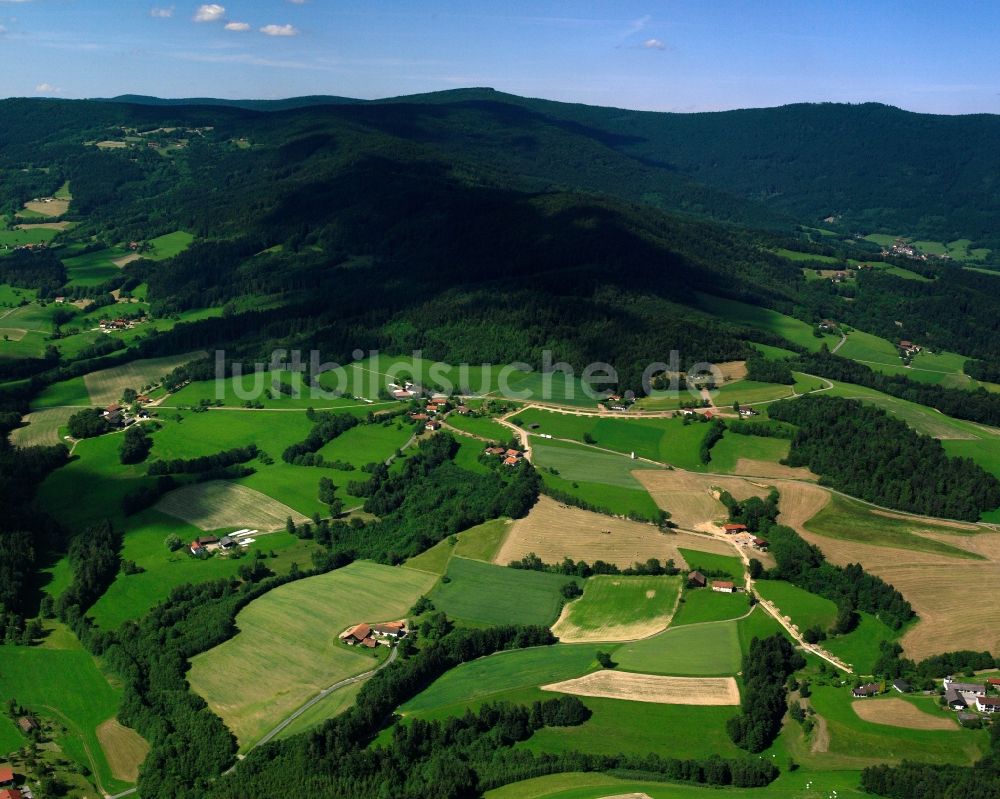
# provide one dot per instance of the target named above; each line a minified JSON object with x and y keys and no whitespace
{"x":959,"y":696}
{"x":511,"y":457}
{"x":8,"y":781}
{"x":120,"y":323}
{"x":207,"y":544}
{"x":120,"y":416}
{"x":384,"y":633}
{"x":698,"y":580}
{"x":742,"y":536}
{"x":433,"y":411}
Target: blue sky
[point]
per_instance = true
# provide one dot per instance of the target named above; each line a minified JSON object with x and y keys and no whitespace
{"x":668,"y":56}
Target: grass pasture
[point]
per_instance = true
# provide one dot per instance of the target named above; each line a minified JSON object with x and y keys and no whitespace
{"x":664,"y":440}
{"x":482,"y":593}
{"x":711,"y":561}
{"x":482,"y":541}
{"x":847,"y":520}
{"x":92,"y":268}
{"x":21,"y":235}
{"x":704,"y":604}
{"x":168,"y":245}
{"x":789,"y":328}
{"x":601,"y":479}
{"x":65,"y":685}
{"x":615,"y":608}
{"x":696,"y":650}
{"x":479,"y":680}
{"x":288,"y":637}
{"x":481,"y":426}
{"x":801,"y":607}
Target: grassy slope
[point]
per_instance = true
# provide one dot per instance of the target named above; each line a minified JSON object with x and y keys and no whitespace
{"x":804,"y":609}
{"x":701,"y":650}
{"x":610,"y":600}
{"x":601,"y":478}
{"x":709,"y":561}
{"x":703,"y":604}
{"x":297,"y":625}
{"x":487,"y":594}
{"x":65,"y":685}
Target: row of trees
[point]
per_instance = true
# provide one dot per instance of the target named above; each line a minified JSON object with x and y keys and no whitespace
{"x":326,"y":427}
{"x":850,"y":587}
{"x":766,"y":666}
{"x":651,"y":567}
{"x":204,"y":463}
{"x":863,"y":451}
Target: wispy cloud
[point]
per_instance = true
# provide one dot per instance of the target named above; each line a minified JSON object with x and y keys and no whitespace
{"x":246,"y":58}
{"x":654,"y":44}
{"x":165,"y":12}
{"x":210,"y":12}
{"x":47,"y":88}
{"x":237,"y":26}
{"x":280,"y":30}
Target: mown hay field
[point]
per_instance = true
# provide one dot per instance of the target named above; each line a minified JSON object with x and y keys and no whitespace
{"x":219,"y":504}
{"x":124,"y":748}
{"x":895,"y":712}
{"x":287,"y":649}
{"x":554,"y":531}
{"x":653,"y":688}
{"x":692,"y":499}
{"x":106,"y":386}
{"x":42,"y":427}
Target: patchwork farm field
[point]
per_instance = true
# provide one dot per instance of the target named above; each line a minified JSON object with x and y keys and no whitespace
{"x":703,"y":604}
{"x":479,"y":680}
{"x":692,"y":499}
{"x":615,"y":608}
{"x":554,"y":531}
{"x":664,"y":440}
{"x":486,"y":594}
{"x":599,"y":478}
{"x":804,"y":609}
{"x":220,"y":504}
{"x":695,"y":650}
{"x":65,"y":685}
{"x":132,"y":595}
{"x":297,"y":625}
{"x":595,"y":785}
{"x":482,"y":426}
{"x":42,"y":428}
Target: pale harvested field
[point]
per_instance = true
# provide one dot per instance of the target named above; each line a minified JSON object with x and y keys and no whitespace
{"x":124,"y":749}
{"x":42,"y":428}
{"x":44,"y":226}
{"x":126,"y":259}
{"x":799,"y":502}
{"x":218,"y":504}
{"x":957,"y":600}
{"x":13,"y":333}
{"x":652,"y":688}
{"x":554,"y":531}
{"x":755,"y":468}
{"x":629,"y":796}
{"x":733,"y":370}
{"x":900,"y":713}
{"x":106,"y":385}
{"x":53,"y":208}
{"x":692,"y":499}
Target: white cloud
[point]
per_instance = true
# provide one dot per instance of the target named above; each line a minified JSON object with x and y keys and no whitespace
{"x":237,"y":26}
{"x":162,"y":13}
{"x":654,"y":44}
{"x":47,"y":88}
{"x":210,"y":12}
{"x":280,"y":30}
